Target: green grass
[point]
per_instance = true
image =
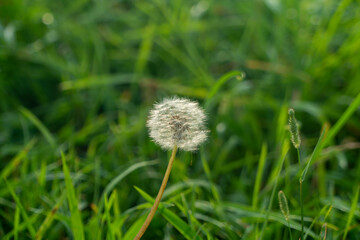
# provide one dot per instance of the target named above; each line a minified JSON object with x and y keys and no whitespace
{"x":79,"y":77}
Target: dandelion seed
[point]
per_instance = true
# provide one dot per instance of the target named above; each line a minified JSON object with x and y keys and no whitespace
{"x":294,"y":129}
{"x":284,"y":207}
{"x":177,"y":121}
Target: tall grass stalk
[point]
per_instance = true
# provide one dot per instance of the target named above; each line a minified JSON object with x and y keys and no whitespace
{"x":301,"y":197}
{"x":284,"y":207}
{"x":296,"y":141}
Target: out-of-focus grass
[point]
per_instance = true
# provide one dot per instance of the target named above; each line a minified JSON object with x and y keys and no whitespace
{"x":80,"y":76}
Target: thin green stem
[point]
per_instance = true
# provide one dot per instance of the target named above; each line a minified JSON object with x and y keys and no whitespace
{"x":302,"y":211}
{"x":301,"y":198}
{"x":158,"y":197}
{"x":289,"y":229}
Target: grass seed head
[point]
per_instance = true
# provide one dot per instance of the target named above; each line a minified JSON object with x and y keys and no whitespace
{"x":177,"y":121}
{"x":284,"y":207}
{"x":294,"y":129}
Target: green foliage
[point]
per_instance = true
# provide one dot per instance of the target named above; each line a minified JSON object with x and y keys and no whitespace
{"x":179,"y":224}
{"x":75,"y":216}
{"x":80,"y":76}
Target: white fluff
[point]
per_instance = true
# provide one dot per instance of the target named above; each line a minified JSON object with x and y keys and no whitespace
{"x":177,"y":121}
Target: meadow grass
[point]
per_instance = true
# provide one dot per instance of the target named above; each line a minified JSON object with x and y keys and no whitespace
{"x":77,"y":81}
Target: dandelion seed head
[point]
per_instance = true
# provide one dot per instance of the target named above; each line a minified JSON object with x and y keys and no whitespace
{"x":177,"y":121}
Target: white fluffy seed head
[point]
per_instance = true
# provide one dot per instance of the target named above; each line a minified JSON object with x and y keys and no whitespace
{"x":177,"y":121}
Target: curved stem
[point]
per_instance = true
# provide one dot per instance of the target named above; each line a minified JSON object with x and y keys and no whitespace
{"x":158,"y":197}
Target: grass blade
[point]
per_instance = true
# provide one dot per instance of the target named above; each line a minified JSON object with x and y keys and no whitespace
{"x":328,"y":208}
{"x":20,"y":228}
{"x":49,"y":218}
{"x":97,"y":81}
{"x":352,"y":211}
{"x":246,"y":213}
{"x":110,"y":232}
{"x":76,"y":222}
{"x":22,"y":209}
{"x":222,"y":81}
{"x":121,"y":176}
{"x":315,"y":152}
{"x":42,"y":128}
{"x":16,"y":223}
{"x":174,"y":220}
{"x":342,"y":120}
{"x":133,"y":230}
{"x":116,"y":181}
{"x":337,"y":127}
{"x":17,"y":159}
{"x":285,"y":150}
{"x":259,"y":174}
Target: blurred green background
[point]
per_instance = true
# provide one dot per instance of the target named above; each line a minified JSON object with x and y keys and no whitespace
{"x":80,"y":76}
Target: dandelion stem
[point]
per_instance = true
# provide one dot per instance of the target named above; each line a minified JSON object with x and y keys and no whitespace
{"x":301,"y":198}
{"x":159,"y":196}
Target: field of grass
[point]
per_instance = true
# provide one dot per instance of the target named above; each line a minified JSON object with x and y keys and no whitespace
{"x":77,"y":81}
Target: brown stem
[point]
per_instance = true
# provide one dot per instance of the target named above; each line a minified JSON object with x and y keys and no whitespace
{"x":158,"y":197}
